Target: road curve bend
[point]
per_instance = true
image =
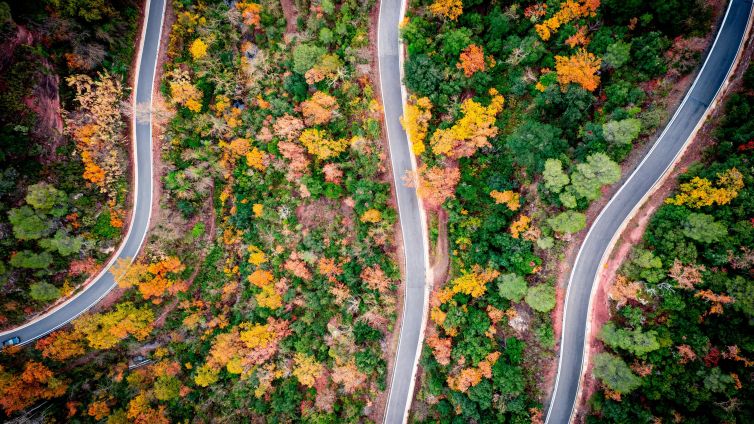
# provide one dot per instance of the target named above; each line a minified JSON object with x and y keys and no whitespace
{"x":415,"y":249}
{"x":92,"y":293}
{"x":607,"y":227}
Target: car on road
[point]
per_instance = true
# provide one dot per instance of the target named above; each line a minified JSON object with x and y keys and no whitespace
{"x":12,"y":342}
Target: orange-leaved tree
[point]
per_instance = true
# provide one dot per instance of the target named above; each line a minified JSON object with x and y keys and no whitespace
{"x":62,"y":345}
{"x":319,"y":109}
{"x":434,"y":185}
{"x":35,"y":382}
{"x":510,"y":198}
{"x":448,"y":9}
{"x":472,"y":60}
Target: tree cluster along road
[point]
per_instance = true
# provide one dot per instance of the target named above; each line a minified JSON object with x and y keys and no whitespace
{"x":142,"y":184}
{"x":592,"y":254}
{"x":639,"y":185}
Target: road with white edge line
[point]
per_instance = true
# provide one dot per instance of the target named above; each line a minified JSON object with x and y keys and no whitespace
{"x":632,"y":194}
{"x":415,"y":248}
{"x":142,"y":188}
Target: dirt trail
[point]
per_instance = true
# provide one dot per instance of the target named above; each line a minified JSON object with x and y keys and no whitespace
{"x":291,"y":16}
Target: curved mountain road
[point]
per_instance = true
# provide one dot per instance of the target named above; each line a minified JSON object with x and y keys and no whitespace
{"x":142,"y":186}
{"x":639,"y":185}
{"x":415,"y":248}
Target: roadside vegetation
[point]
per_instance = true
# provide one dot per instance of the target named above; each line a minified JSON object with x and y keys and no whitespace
{"x":63,"y":146}
{"x":521,"y":114}
{"x":268,"y":287}
{"x":679,"y":345}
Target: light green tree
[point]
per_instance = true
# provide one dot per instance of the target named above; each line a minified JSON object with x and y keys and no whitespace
{"x":305,"y":56}
{"x":568,"y":222}
{"x":541,"y":298}
{"x":703,"y":228}
{"x":47,"y":199}
{"x":591,"y":175}
{"x":62,"y":243}
{"x":27,"y":224}
{"x":645,"y":265}
{"x":555,"y":178}
{"x":512,"y":287}
{"x":31,"y":260}
{"x":43,"y":291}
{"x":635,"y":341}
{"x":568,"y":199}
{"x":614,"y":373}
{"x":617,"y":54}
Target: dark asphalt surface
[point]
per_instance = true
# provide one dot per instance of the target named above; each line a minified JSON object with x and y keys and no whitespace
{"x":400,"y":395}
{"x":104,"y":282}
{"x":659,"y":160}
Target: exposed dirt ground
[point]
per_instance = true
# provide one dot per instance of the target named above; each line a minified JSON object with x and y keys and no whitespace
{"x":380,"y":402}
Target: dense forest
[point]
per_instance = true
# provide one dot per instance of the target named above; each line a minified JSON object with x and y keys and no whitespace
{"x":679,"y":346}
{"x":521,"y":114}
{"x":63,"y":160}
{"x":268,"y":286}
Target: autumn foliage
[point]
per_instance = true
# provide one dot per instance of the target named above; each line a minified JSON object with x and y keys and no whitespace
{"x":472,"y":60}
{"x":700,"y":192}
{"x":153,"y":280}
{"x":581,"y":68}
{"x":62,"y":345}
{"x":97,"y":127}
{"x":472,"y":131}
{"x":470,"y":377}
{"x":320,"y":145}
{"x":449,"y":9}
{"x":509,"y":198}
{"x":319,"y":109}
{"x":569,"y":10}
{"x":36,"y":382}
{"x":472,"y":283}
{"x":416,"y":122}
{"x":435,"y":185}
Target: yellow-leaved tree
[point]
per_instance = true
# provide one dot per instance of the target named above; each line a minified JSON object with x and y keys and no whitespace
{"x":198,"y":49}
{"x":416,"y":121}
{"x":320,"y":145}
{"x":448,"y":9}
{"x":700,"y":192}
{"x":306,"y":369}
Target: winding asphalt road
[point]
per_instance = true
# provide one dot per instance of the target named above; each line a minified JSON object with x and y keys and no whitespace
{"x":639,"y":185}
{"x":142,"y":185}
{"x":411,"y":217}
